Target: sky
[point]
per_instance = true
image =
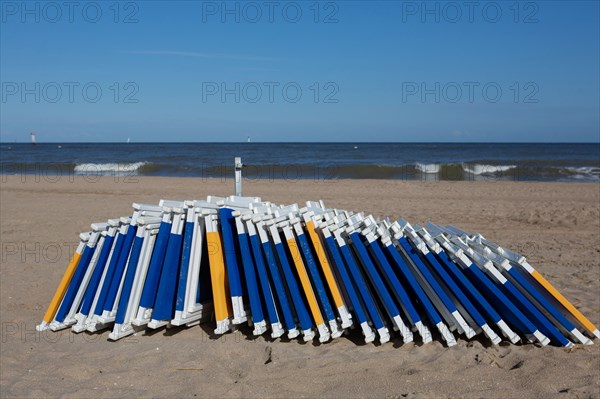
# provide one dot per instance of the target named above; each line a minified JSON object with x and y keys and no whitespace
{"x":400,"y":71}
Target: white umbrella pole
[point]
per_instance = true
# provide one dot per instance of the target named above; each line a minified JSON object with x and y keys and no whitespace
{"x":238,"y":176}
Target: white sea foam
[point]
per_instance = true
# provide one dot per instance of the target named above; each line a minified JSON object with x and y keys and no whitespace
{"x":108,"y":168}
{"x":584,"y":170}
{"x":587,"y":173}
{"x":478,"y":169}
{"x":432,"y":168}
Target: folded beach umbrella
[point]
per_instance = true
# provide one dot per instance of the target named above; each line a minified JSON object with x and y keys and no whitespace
{"x":307,"y":271}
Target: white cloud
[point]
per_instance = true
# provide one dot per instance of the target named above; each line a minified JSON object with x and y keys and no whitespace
{"x":194,"y":54}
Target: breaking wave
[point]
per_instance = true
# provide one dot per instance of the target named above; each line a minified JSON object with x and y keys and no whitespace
{"x":109,"y":168}
{"x":478,"y":169}
{"x":428,"y":167}
{"x":525,"y":171}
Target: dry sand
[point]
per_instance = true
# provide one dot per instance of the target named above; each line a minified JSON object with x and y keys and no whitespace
{"x":556,"y":225}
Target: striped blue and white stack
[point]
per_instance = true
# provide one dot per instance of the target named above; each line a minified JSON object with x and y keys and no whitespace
{"x":310,"y":272}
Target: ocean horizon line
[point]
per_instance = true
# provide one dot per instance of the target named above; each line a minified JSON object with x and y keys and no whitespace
{"x":305,"y":142}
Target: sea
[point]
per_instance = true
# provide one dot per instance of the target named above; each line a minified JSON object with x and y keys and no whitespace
{"x":315,"y":161}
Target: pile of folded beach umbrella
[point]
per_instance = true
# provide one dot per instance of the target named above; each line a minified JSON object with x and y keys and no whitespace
{"x":307,"y":272}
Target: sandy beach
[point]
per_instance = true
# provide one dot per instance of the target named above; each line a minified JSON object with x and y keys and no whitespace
{"x":556,"y":225}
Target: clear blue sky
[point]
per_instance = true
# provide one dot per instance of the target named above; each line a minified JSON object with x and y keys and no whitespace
{"x":385,"y":71}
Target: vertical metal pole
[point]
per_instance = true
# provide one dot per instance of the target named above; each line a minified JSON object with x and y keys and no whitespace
{"x":238,"y":176}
